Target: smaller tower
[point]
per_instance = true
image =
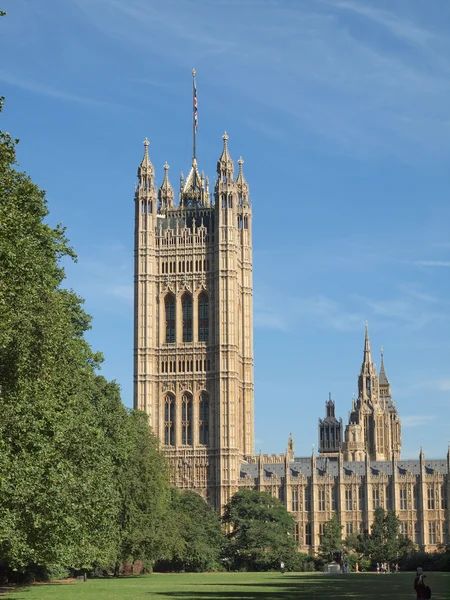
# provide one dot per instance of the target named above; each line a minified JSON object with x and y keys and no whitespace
{"x":330,"y":431}
{"x":367,"y":380}
{"x":374,"y":424}
{"x":290,"y":448}
{"x":166,"y":195}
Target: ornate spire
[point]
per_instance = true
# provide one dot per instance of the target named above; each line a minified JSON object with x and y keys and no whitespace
{"x":367,"y":354}
{"x":166,"y":194}
{"x":225,"y":166}
{"x":145,"y":169}
{"x":242,"y":184}
{"x":383,"y":377}
{"x":194,"y":192}
{"x":291,"y":443}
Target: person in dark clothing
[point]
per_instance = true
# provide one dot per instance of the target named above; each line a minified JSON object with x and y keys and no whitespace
{"x":422,"y":590}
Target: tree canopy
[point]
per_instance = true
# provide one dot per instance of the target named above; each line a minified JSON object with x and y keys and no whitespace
{"x":331,"y":539}
{"x":384,"y":542}
{"x":260,"y":531}
{"x":196,"y":532}
{"x":82,"y":482}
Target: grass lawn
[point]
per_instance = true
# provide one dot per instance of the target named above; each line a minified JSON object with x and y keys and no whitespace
{"x":244,"y":586}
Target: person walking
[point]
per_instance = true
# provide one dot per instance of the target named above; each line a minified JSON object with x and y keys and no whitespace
{"x":282,"y":567}
{"x":423,"y":592}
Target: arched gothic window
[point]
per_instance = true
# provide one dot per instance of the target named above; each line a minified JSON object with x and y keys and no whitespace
{"x":169,"y":420}
{"x":170,"y":319}
{"x":186,"y":308}
{"x":186,"y":420}
{"x":203,"y":318}
{"x":204,"y":419}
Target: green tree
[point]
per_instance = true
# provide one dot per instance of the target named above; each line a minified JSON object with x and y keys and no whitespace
{"x":384,"y":542}
{"x":261,"y":531}
{"x":331,"y":539}
{"x":197,"y":537}
{"x":58,"y":495}
{"x":144,"y":490}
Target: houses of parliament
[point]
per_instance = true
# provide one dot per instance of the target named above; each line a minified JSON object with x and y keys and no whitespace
{"x":193,"y":375}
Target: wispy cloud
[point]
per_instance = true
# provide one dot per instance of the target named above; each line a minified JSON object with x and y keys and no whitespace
{"x":417,"y":420}
{"x":123,"y":291}
{"x":401,"y":28}
{"x":443,"y":385}
{"x":432,"y":263}
{"x":323,"y":311}
{"x":403,"y":310}
{"x":39,"y":88}
{"x":103,"y":276}
{"x":358,"y":92}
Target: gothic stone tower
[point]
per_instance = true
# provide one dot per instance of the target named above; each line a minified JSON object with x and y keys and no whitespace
{"x":330,"y":432}
{"x":193,"y":331}
{"x":374,"y":425}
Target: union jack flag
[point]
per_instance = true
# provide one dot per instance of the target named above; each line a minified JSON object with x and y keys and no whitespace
{"x":195,"y":107}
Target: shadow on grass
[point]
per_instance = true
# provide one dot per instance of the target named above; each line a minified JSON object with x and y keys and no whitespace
{"x":323,"y":587}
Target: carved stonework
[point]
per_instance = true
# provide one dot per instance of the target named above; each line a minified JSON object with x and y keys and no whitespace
{"x":211,"y":442}
{"x":168,"y":386}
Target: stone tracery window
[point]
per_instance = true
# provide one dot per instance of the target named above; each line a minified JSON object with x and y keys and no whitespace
{"x":186,"y":309}
{"x":321,"y":498}
{"x":204,"y":419}
{"x":169,"y":420}
{"x":375,"y":498}
{"x":432,"y":532}
{"x":403,"y":498}
{"x":203,"y":317}
{"x":348,"y":498}
{"x":186,"y":419}
{"x":169,"y":304}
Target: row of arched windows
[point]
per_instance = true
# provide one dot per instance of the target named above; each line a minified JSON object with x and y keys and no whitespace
{"x":227,"y":200}
{"x":185,"y":266}
{"x":186,"y":318}
{"x":185,"y":366}
{"x":187,"y":421}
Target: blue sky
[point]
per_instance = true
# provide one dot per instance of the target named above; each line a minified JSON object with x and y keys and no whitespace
{"x":340,"y":110}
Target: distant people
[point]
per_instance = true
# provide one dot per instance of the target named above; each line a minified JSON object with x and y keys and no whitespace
{"x":423,"y":592}
{"x":356,"y":568}
{"x":396,"y":569}
{"x":378,"y":568}
{"x":345,"y":567}
{"x":282,"y":567}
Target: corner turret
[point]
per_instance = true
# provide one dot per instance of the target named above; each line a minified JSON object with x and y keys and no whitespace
{"x":330,"y":431}
{"x":166,"y":194}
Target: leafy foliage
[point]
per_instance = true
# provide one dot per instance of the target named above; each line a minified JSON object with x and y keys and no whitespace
{"x":144,"y":487}
{"x":197,"y":536}
{"x":331,"y":539}
{"x":383,"y":543}
{"x":82,"y":482}
{"x":261,"y":532}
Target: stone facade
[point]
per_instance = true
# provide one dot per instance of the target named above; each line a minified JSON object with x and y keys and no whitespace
{"x":193,"y":375}
{"x":374,"y":427}
{"x":193,"y":356}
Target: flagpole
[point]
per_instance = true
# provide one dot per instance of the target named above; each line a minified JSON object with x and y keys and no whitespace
{"x":194,"y":122}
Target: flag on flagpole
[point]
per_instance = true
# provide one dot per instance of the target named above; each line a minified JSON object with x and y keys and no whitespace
{"x":195,"y":107}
